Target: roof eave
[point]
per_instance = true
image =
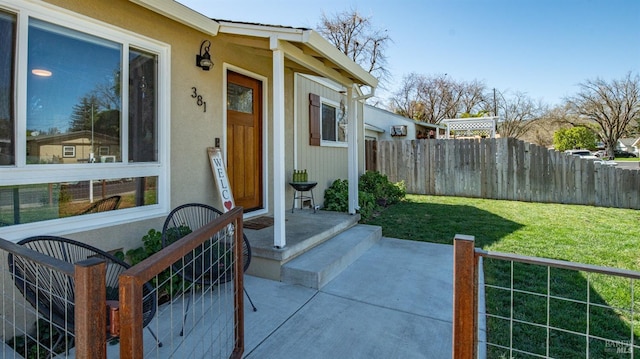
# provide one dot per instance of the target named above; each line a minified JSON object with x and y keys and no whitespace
{"x":182,"y":14}
{"x":307,"y":37}
{"x":322,"y":46}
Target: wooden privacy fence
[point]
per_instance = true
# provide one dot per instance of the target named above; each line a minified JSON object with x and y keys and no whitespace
{"x":505,"y":168}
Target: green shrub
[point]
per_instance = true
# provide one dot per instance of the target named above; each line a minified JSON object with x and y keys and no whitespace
{"x":367,"y":203}
{"x":168,"y":286}
{"x":336,"y":197}
{"x":384,"y":192}
{"x":374,"y":192}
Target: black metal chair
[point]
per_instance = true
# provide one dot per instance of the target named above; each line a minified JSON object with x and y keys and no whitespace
{"x":105,"y":204}
{"x":52,"y":293}
{"x":186,"y":218}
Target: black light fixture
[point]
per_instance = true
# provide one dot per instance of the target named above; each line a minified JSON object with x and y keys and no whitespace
{"x":204,"y":60}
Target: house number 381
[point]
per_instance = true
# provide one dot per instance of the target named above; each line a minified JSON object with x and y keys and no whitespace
{"x":199,"y":100}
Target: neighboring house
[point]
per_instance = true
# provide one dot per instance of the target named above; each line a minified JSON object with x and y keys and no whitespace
{"x":628,"y":145}
{"x":73,"y":147}
{"x":386,"y":125}
{"x":636,"y":147}
{"x":171,"y":82}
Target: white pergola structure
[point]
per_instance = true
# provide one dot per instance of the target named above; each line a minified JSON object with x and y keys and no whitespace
{"x":470,"y":127}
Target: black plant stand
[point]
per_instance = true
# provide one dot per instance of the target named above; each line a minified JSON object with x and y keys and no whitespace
{"x":302,"y":187}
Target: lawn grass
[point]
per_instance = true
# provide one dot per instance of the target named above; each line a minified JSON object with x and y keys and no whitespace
{"x":592,"y":235}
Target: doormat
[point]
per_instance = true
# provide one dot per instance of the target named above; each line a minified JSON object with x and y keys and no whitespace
{"x":258,"y":223}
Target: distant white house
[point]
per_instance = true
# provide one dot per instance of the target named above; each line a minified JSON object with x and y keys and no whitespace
{"x":628,"y":145}
{"x":385,"y":125}
{"x":636,"y":146}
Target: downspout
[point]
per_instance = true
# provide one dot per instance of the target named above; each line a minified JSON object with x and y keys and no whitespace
{"x":352,"y":153}
{"x":279,"y":235}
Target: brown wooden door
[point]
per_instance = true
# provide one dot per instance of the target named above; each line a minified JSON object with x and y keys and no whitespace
{"x":244,"y":140}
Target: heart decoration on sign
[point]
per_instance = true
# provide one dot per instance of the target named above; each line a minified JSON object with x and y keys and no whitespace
{"x":228,"y":205}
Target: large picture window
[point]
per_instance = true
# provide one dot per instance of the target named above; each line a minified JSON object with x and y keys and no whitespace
{"x":73,"y":89}
{"x":88,"y":122}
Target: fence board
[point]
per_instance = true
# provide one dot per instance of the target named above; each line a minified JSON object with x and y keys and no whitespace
{"x":505,"y":169}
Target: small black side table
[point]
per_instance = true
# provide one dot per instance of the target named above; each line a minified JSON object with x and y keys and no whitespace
{"x":303,"y":187}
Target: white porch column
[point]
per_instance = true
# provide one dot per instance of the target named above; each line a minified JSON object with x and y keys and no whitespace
{"x":352,"y":153}
{"x":279,"y":239}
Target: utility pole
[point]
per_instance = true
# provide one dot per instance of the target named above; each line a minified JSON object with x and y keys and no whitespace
{"x":495,"y":104}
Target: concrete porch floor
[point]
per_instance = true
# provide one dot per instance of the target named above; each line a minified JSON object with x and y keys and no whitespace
{"x":395,"y":301}
{"x":304,"y":229}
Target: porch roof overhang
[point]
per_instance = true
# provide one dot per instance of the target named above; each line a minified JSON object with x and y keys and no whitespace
{"x":182,"y":14}
{"x":305,"y":51}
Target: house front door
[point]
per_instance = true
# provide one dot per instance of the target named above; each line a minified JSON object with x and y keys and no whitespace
{"x":244,"y":140}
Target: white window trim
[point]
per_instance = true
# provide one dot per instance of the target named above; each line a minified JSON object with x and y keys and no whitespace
{"x":21,"y":174}
{"x":72,"y":150}
{"x":323,"y":142}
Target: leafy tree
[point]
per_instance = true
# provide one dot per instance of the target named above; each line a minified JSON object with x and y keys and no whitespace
{"x":612,"y":105}
{"x":84,"y":113}
{"x":356,"y":36}
{"x":552,"y":119}
{"x":574,"y":138}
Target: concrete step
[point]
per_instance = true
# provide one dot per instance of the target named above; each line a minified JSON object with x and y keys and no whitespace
{"x":324,"y":262}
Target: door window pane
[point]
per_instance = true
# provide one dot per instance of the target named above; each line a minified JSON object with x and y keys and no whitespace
{"x":73,"y":94}
{"x":143,"y":122}
{"x":7,"y":122}
{"x":239,"y":98}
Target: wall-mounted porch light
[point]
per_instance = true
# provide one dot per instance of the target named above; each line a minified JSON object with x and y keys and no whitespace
{"x":203,"y":60}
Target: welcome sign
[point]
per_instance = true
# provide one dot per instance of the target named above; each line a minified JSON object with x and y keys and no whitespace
{"x":220,"y":175}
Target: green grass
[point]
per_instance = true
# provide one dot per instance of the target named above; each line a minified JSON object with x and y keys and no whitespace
{"x":592,"y":235}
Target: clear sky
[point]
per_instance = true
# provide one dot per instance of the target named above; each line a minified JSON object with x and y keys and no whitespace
{"x":543,"y":48}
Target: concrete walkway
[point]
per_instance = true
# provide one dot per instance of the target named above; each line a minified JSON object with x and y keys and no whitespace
{"x":395,"y":301}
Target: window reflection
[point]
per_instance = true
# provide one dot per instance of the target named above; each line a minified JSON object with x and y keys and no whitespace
{"x":7,"y":124}
{"x":40,"y":202}
{"x":328,"y":122}
{"x":73,"y":94}
{"x":143,"y":124}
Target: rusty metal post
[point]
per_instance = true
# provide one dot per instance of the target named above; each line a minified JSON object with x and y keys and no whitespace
{"x":90,"y":317}
{"x":464,"y":297}
{"x":131,"y":341}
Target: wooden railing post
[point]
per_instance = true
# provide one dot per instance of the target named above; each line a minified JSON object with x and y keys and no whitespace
{"x":90,"y":313}
{"x":464,"y":297}
{"x":131,"y":346}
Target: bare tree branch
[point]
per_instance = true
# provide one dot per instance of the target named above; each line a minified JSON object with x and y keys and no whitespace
{"x":517,"y":112}
{"x":613,"y":106}
{"x":438,"y":97}
{"x":356,"y":37}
